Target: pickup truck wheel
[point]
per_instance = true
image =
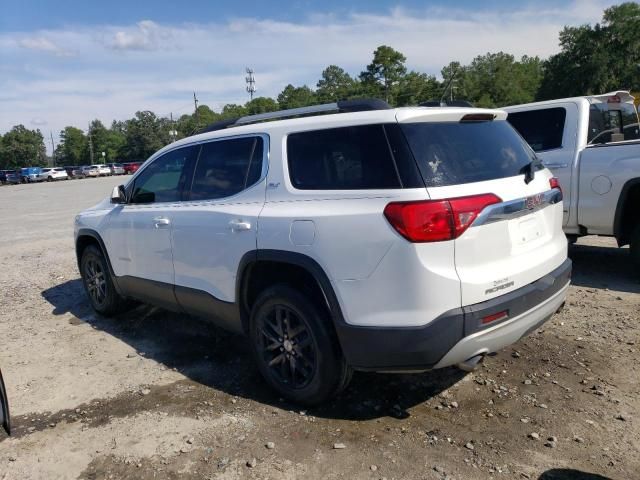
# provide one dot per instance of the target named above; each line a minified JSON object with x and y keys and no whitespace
{"x":635,"y":246}
{"x":98,"y":283}
{"x":295,"y":348}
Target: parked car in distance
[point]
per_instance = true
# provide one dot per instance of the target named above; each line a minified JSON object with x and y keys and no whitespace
{"x":3,"y":176}
{"x":592,"y":144}
{"x":131,"y":167}
{"x":77,"y":171}
{"x":89,"y":171}
{"x":13,"y":176}
{"x":54,"y":173}
{"x":116,"y":168}
{"x":103,"y":170}
{"x":442,"y":242}
{"x":69,"y":169}
{"x":30,"y":174}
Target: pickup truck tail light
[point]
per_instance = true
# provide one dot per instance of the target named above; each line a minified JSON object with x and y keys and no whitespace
{"x":436,"y":220}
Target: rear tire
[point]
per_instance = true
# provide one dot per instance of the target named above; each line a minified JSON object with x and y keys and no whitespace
{"x":634,"y":245}
{"x":98,"y":283}
{"x":295,"y":347}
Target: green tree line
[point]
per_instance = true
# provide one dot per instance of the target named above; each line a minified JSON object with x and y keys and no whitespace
{"x":592,"y":59}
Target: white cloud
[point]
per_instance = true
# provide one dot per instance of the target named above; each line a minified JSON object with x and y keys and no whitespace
{"x":146,"y":35}
{"x":44,"y":45}
{"x":119,"y":69}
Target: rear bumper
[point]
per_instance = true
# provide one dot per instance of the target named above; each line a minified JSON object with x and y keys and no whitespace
{"x":459,"y":334}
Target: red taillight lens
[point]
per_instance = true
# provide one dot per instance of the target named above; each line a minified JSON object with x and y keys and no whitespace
{"x":495,"y":317}
{"x":555,"y":183}
{"x":436,"y":220}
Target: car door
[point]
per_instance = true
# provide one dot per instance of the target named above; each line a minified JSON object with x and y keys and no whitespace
{"x":550,"y":130}
{"x":217,"y":226}
{"x":139,"y":233}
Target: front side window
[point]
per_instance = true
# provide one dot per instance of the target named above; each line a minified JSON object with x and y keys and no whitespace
{"x":165,"y":178}
{"x":542,"y":129}
{"x":227,"y":167}
{"x":345,"y":158}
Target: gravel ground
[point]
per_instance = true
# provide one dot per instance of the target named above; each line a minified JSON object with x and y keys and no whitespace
{"x":153,"y":394}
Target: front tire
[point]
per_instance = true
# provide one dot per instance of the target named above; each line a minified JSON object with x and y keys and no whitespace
{"x":98,"y":283}
{"x":295,"y":346}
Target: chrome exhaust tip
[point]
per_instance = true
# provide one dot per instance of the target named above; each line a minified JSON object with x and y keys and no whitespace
{"x":472,"y":363}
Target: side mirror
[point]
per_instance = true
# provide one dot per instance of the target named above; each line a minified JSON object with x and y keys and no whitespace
{"x":118,"y":195}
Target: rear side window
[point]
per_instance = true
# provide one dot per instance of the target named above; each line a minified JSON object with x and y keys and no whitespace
{"x":542,"y":129}
{"x":346,"y":158}
{"x":455,"y":153}
{"x":227,"y":167}
{"x":612,"y":122}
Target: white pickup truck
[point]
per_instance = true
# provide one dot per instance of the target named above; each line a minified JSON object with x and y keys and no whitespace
{"x":592,"y":145}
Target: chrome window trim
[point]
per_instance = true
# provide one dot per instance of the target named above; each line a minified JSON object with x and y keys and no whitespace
{"x":515,"y":208}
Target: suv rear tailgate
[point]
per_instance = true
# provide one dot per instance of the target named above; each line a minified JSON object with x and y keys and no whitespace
{"x":515,"y":240}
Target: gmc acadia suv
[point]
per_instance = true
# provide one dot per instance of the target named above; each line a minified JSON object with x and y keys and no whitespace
{"x":339,"y":237}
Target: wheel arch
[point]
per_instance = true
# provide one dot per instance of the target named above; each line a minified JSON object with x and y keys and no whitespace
{"x":287,"y":262}
{"x":622,"y":227}
{"x":86,"y":237}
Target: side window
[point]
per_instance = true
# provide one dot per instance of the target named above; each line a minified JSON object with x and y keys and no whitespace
{"x":346,"y":158}
{"x":227,"y":167}
{"x":612,"y":123}
{"x":542,"y":129}
{"x":164,"y":179}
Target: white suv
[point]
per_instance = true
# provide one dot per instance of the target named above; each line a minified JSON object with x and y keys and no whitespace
{"x":51,"y":174}
{"x":366,"y":238}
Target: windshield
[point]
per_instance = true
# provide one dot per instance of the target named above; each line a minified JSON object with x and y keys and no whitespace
{"x":454,"y":153}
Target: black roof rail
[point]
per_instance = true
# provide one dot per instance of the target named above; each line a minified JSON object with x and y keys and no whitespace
{"x":446,"y":103}
{"x":341,"y":106}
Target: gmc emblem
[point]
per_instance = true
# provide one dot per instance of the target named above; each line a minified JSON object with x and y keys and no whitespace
{"x":533,"y":201}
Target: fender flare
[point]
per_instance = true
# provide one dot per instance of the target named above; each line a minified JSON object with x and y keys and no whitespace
{"x":87,"y":232}
{"x":618,"y":227}
{"x":293,"y":258}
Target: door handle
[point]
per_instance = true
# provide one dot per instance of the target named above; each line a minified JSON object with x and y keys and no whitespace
{"x":555,"y":165}
{"x":238,"y":225}
{"x":159,"y":222}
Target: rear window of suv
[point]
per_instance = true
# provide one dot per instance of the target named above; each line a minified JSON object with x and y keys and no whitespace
{"x":345,"y":158}
{"x":451,"y":153}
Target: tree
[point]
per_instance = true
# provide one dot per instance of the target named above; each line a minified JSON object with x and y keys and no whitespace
{"x":335,"y":84}
{"x":145,"y":134}
{"x":384,"y":72}
{"x":232,"y":110}
{"x":498,"y":79}
{"x":295,"y":97}
{"x":21,"y":147}
{"x":416,"y":87}
{"x":596,"y":59}
{"x":261,"y":105}
{"x":73,"y":148}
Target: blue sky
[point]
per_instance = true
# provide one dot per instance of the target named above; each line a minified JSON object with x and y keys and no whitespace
{"x":67,"y":62}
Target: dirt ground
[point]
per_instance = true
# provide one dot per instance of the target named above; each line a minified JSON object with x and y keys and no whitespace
{"x":159,"y":395}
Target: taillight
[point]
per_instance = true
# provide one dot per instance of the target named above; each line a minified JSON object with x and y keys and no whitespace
{"x":436,"y":220}
{"x":555,"y":183}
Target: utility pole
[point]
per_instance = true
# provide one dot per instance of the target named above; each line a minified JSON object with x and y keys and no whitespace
{"x":173,"y":133}
{"x":195,"y":102}
{"x":90,"y":145}
{"x":53,"y":150}
{"x":251,"y":83}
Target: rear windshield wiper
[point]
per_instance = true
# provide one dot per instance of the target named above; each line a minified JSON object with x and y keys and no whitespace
{"x":529,"y":172}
